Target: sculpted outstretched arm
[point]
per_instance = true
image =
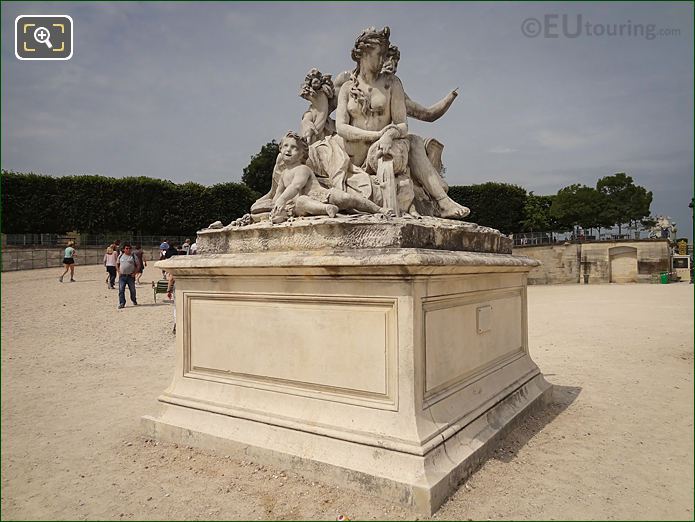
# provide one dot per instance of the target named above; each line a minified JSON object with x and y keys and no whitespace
{"x":432,"y":113}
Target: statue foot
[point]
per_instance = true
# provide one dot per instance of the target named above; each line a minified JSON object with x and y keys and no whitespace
{"x":452,"y":210}
{"x":331,"y":210}
{"x":414,"y":212}
{"x":387,"y":212}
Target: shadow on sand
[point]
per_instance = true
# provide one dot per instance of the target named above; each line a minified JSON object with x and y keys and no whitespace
{"x":532,"y":423}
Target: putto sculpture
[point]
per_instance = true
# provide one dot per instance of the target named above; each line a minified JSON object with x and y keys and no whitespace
{"x":365,"y":160}
{"x":297,"y":192}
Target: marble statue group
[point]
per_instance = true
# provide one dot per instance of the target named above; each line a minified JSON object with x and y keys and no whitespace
{"x":363,"y":160}
{"x":351,"y":326}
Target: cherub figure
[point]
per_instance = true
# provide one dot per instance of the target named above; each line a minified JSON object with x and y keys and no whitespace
{"x":299,"y":193}
{"x":318,"y":90}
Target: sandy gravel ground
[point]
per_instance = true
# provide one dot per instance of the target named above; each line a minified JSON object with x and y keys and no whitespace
{"x":77,"y":374}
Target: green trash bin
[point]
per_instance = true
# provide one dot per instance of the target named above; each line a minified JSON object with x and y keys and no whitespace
{"x":663,"y":277}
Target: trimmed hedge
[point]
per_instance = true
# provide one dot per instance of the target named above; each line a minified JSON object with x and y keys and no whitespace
{"x":33,"y":203}
{"x":496,"y":205}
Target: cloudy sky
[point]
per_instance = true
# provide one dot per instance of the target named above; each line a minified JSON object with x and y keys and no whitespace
{"x":188,"y":92}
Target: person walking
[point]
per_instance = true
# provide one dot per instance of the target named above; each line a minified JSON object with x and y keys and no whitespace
{"x":186,"y":247}
{"x":69,"y":262}
{"x":127,"y":267}
{"x":140,"y":253}
{"x":110,"y":261}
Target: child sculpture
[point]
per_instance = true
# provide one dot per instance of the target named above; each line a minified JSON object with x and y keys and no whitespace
{"x":299,"y":193}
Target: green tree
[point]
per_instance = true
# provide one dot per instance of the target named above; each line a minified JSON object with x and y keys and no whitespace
{"x":258,"y":174}
{"x":537,"y":217}
{"x":640,"y":205}
{"x":578,"y":205}
{"x":648,"y":222}
{"x":624,"y":201}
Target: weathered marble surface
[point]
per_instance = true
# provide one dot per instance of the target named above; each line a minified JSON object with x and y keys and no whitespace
{"x":354,"y":233}
{"x":374,"y":347}
{"x":403,"y":262}
{"x":378,"y":353}
{"x":388,"y":370}
{"x":365,"y":159}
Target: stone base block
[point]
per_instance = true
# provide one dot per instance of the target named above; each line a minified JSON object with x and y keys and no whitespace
{"x":354,"y":233}
{"x":393,"y":370}
{"x":420,"y":482}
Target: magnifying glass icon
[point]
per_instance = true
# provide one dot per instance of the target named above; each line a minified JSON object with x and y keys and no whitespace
{"x":43,"y":35}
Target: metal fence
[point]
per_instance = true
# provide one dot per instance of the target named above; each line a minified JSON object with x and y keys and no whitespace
{"x":549,"y":238}
{"x":30,"y":251}
{"x":535,"y":238}
{"x":89,"y":240}
{"x":31,"y":258}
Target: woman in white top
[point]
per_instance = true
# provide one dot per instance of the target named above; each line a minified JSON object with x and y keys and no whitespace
{"x":110,"y":259}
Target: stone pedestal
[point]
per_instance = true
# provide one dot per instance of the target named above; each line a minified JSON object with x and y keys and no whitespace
{"x":391,"y":369}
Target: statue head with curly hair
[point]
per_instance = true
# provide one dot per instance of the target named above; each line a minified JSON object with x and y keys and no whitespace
{"x":393,"y":56}
{"x":369,"y":51}
{"x":371,"y":39}
{"x":314,"y":83}
{"x":302,"y":145}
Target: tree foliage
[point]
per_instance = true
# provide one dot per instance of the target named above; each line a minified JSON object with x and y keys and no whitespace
{"x":32,"y":203}
{"x":95,"y":204}
{"x":258,"y":174}
{"x":624,"y":201}
{"x":577,"y":205}
{"x":496,"y":205}
{"x":537,"y":217}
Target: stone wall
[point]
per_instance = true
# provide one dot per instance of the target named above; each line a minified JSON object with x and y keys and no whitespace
{"x":602,"y":261}
{"x":560,"y":263}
